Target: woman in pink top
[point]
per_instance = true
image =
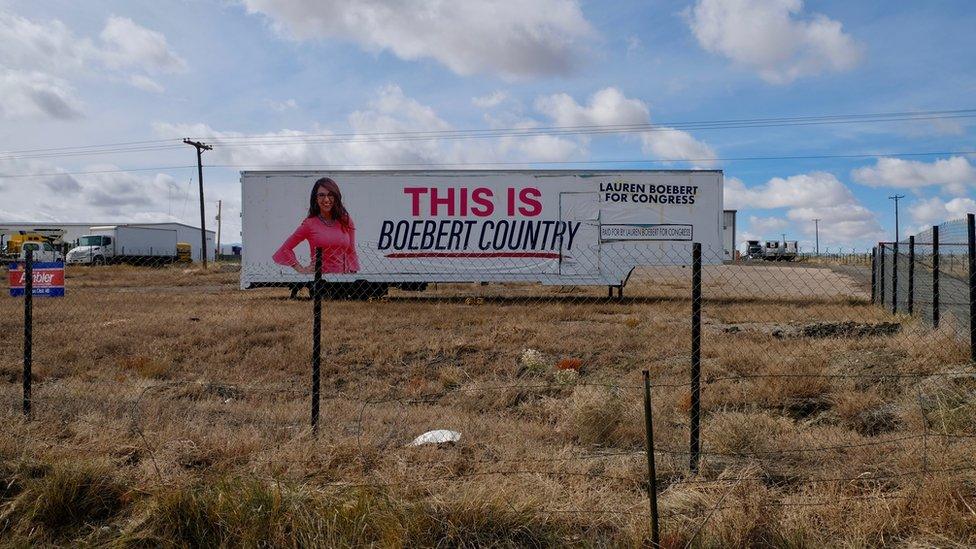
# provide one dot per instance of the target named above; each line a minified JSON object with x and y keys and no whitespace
{"x":327,"y":226}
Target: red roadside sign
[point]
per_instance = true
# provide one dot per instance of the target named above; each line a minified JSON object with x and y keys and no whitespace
{"x":48,"y":279}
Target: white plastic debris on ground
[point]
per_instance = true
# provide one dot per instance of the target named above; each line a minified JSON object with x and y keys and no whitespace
{"x":440,"y":436}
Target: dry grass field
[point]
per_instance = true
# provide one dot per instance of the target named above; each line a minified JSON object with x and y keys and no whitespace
{"x":171,"y":408}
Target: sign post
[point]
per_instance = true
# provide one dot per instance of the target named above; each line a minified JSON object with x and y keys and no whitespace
{"x":27,"y":279}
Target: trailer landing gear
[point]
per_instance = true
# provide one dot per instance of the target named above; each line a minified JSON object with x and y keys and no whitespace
{"x":620,"y":291}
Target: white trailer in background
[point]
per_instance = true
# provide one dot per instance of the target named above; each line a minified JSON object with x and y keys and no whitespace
{"x":71,"y":232}
{"x":555,"y":227}
{"x":125,"y":244}
{"x":781,"y":250}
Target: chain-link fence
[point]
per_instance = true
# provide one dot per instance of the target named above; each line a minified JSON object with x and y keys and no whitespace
{"x":927,"y":275}
{"x":453,"y":412}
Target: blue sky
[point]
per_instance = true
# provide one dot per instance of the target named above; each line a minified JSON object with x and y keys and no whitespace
{"x":74,"y":74}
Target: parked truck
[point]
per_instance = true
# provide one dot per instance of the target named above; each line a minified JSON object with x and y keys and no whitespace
{"x":780,"y":250}
{"x":42,"y":252}
{"x":754,"y":249}
{"x":125,"y":244}
{"x":46,"y":243}
{"x":558,"y":227}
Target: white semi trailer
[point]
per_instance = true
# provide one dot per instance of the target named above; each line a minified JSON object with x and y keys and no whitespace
{"x":124,"y":244}
{"x":781,"y":250}
{"x":551,"y":227}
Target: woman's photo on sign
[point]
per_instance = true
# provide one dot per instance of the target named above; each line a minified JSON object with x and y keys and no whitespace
{"x":327,"y":226}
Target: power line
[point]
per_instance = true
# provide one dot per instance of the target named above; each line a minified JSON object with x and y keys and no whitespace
{"x":94,"y":172}
{"x":530,"y":132}
{"x":660,"y":126}
{"x":146,"y":148}
{"x":102,"y":145}
{"x":247,"y":140}
{"x":473,"y":164}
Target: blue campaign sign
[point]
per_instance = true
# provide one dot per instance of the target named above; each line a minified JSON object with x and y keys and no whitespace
{"x":48,"y":279}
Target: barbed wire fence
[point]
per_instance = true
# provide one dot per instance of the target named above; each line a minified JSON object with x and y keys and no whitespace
{"x":769,"y":387}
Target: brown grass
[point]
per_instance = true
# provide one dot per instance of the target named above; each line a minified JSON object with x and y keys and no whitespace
{"x":172,"y":408}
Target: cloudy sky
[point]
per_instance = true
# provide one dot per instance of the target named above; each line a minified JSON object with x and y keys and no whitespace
{"x":96,"y":96}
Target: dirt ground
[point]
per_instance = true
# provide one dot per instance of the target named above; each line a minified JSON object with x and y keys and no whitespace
{"x":162,"y":394}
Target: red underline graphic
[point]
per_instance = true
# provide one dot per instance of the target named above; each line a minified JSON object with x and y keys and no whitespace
{"x":413,"y":255}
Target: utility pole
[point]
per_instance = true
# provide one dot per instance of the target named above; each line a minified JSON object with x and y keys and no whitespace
{"x":203,"y":219}
{"x":219,"y":202}
{"x":816,"y":224}
{"x":896,"y":198}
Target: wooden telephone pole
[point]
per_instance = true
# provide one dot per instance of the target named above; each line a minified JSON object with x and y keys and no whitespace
{"x":203,"y":218}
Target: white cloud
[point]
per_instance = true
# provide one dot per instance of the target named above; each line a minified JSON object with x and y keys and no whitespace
{"x":773,"y":37}
{"x":677,"y":145}
{"x":817,"y":195}
{"x":282,"y":106}
{"x":505,"y":37}
{"x":31,"y":94}
{"x":606,"y":107}
{"x":841,"y":224}
{"x":89,"y":197}
{"x":145,"y":83}
{"x":62,"y":184}
{"x":110,"y":197}
{"x":935,"y":210}
{"x":491,"y":100}
{"x":389,"y":111}
{"x":609,"y":107}
{"x":127,"y":44}
{"x":539,"y":148}
{"x":768,"y":226}
{"x":955,"y":175}
{"x":735,"y":195}
{"x":46,"y":47}
{"x":39,"y":60}
{"x":817,"y":189}
{"x":633,"y":44}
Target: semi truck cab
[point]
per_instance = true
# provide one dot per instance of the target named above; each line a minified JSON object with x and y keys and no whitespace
{"x":92,"y":249}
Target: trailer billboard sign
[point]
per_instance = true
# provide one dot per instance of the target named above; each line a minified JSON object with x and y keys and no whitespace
{"x":556,"y":227}
{"x":48,"y":279}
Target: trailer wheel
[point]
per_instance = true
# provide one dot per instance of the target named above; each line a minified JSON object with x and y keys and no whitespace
{"x":362,"y":290}
{"x":378,"y":289}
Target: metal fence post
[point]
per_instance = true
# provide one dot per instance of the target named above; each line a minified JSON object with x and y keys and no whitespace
{"x":651,"y":471}
{"x":874,"y":274}
{"x":316,"y":338}
{"x":696,"y":305}
{"x":911,"y":275}
{"x":894,"y":281}
{"x":881,"y":275}
{"x":971,"y":226}
{"x":28,"y":327}
{"x":935,"y":276}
